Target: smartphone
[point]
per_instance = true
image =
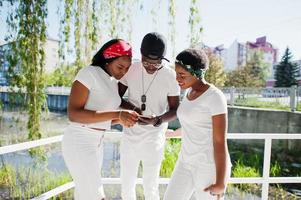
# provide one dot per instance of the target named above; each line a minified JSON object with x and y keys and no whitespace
{"x":145,"y":117}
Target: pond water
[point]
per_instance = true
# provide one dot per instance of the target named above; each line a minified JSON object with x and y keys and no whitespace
{"x":13,"y":130}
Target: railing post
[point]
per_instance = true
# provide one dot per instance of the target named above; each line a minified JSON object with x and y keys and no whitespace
{"x":232,"y":97}
{"x":266,"y":168}
{"x":293,"y":94}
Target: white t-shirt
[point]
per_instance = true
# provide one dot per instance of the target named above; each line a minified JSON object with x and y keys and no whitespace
{"x":163,"y":84}
{"x":103,"y":93}
{"x":195,"y":117}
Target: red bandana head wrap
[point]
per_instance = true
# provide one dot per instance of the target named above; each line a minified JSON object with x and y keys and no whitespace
{"x":121,"y":48}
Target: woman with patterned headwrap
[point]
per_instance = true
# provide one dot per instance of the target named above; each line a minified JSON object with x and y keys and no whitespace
{"x":204,"y":163}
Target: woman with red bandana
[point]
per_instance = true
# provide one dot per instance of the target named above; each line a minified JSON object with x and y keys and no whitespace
{"x":92,"y":109}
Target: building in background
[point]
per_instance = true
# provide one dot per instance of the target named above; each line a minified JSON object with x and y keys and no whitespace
{"x":235,"y":55}
{"x":51,"y":58}
{"x":220,"y":51}
{"x":269,"y":53}
{"x":238,"y":53}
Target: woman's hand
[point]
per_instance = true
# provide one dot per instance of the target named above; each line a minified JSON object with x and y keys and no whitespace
{"x":216,"y":190}
{"x":128,"y":118}
{"x":137,"y":110}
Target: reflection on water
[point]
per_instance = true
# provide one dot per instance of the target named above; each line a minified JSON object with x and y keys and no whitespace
{"x":13,"y":130}
{"x":55,"y":161}
{"x":13,"y":126}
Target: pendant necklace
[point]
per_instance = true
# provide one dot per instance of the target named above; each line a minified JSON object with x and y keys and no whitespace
{"x":143,"y":97}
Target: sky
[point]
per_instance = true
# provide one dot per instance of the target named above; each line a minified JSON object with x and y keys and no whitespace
{"x":223,"y":21}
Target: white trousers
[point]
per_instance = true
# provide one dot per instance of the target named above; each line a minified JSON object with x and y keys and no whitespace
{"x":151,"y":155}
{"x":83,"y":153}
{"x":186,"y":181}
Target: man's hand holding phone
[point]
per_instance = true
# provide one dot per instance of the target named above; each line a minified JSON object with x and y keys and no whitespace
{"x":146,"y":120}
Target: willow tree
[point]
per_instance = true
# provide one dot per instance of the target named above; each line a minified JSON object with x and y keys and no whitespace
{"x":156,"y":6}
{"x":81,"y":17}
{"x":130,"y":7}
{"x":78,"y":32}
{"x":87,"y":18}
{"x":172,"y":26}
{"x":65,"y":27}
{"x":94,"y":31}
{"x":195,"y":23}
{"x":28,"y":35}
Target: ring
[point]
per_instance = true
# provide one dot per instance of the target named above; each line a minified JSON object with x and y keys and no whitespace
{"x":214,"y":194}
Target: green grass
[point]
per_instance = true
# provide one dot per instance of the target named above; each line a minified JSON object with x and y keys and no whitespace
{"x":299,"y":106}
{"x":275,"y":169}
{"x":256,"y":103}
{"x":247,"y":162}
{"x":241,"y":170}
{"x":28,"y":182}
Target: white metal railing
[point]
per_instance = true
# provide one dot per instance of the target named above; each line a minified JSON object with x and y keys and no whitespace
{"x":58,"y":90}
{"x":265,"y":180}
{"x":61,"y":90}
{"x":288,"y":96}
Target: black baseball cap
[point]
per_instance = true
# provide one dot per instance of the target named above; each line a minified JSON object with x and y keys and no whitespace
{"x":153,"y":46}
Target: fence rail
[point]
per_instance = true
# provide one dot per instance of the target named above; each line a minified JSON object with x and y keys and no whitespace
{"x":289,"y":97}
{"x":265,"y":180}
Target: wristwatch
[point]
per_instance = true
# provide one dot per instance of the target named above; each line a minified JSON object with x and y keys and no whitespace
{"x":158,"y":122}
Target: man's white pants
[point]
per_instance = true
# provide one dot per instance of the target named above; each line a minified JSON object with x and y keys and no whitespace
{"x":187,"y":180}
{"x":83,"y":154}
{"x":151,"y":155}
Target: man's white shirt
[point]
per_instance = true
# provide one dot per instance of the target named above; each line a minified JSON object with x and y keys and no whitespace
{"x":163,"y":85}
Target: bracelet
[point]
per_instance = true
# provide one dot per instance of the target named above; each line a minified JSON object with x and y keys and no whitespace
{"x":158,"y":122}
{"x":119,"y":117}
{"x":220,"y":195}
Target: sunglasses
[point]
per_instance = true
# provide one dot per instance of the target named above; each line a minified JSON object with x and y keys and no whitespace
{"x":151,"y":65}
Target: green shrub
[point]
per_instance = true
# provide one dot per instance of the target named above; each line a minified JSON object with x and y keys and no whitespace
{"x":172,"y":149}
{"x":28,"y":182}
